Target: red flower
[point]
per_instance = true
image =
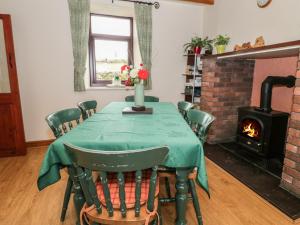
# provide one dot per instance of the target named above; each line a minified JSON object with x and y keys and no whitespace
{"x":128,"y":82}
{"x":141,"y":65}
{"x":123,"y":68}
{"x":143,"y":74}
{"x":128,"y":67}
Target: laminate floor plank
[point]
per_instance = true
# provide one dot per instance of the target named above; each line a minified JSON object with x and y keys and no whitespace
{"x":231,"y":203}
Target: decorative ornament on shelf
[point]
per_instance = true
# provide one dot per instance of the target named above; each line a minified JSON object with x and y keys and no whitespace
{"x":263,"y":3}
{"x":136,"y":78}
{"x":259,"y":42}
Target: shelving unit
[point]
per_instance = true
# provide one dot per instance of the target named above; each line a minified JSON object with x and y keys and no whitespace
{"x":193,"y":76}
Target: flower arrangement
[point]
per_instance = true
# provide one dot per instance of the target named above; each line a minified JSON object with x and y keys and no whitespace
{"x":135,"y":75}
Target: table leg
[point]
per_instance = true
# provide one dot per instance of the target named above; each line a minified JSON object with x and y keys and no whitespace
{"x":78,"y":197}
{"x":181,"y":195}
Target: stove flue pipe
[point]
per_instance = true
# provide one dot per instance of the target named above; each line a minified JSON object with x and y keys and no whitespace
{"x":266,"y":90}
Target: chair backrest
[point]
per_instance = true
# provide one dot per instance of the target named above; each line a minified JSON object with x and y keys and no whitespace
{"x":184,"y":107}
{"x":86,"y":160}
{"x":200,"y":122}
{"x":146,"y":98}
{"x":62,"y":121}
{"x":87,"y":108}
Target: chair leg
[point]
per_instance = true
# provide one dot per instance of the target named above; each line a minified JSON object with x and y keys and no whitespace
{"x":159,"y":214}
{"x":167,"y":185}
{"x":66,"y":199}
{"x":195,"y":201}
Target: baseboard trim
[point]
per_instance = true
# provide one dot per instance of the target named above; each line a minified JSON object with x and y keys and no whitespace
{"x":32,"y":144}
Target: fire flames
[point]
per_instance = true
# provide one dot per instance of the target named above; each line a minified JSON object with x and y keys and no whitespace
{"x":249,"y":129}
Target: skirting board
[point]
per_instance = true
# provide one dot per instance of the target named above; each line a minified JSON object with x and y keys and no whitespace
{"x":33,"y":144}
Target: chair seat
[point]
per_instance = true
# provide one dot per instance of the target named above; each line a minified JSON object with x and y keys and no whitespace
{"x":129,"y":189}
{"x":171,"y":173}
{"x":117,"y":218}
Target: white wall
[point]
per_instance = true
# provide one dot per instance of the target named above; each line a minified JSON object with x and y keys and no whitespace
{"x":45,"y":64}
{"x":243,"y":21}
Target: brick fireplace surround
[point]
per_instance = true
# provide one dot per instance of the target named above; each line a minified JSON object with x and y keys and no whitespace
{"x":226,"y":86}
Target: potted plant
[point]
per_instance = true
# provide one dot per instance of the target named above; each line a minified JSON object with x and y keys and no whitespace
{"x":208,"y":45}
{"x":195,"y":45}
{"x":221,"y":42}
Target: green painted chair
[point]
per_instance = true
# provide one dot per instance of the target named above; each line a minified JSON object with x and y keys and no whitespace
{"x":200,"y":123}
{"x":146,"y":98}
{"x":127,"y":187}
{"x":184,"y":107}
{"x":87,"y":108}
{"x":60,"y":123}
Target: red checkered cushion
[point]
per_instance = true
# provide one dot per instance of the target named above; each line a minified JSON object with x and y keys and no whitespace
{"x":129,"y":189}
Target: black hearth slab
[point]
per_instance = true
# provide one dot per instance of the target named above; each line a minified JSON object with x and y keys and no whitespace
{"x":261,"y":182}
{"x":272,"y":166}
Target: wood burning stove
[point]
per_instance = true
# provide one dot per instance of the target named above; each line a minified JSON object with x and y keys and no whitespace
{"x":263,"y":130}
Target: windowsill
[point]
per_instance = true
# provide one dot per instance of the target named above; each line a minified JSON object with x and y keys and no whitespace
{"x":110,"y":88}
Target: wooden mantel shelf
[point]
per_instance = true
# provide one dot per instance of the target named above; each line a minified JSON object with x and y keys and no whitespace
{"x":286,"y":49}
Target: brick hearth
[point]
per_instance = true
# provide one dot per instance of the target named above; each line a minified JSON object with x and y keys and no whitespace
{"x":226,"y":86}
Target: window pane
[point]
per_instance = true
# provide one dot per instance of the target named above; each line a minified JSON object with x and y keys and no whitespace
{"x":110,"y":26}
{"x":110,"y":56}
{"x":4,"y":74}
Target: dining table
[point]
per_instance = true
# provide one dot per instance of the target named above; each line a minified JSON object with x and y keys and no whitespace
{"x":111,"y":130}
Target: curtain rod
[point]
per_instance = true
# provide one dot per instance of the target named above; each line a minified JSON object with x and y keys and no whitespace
{"x":155,"y":4}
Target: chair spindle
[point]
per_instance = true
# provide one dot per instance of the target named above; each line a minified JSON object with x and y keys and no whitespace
{"x":92,"y":190}
{"x":121,"y":182}
{"x":138,"y":187}
{"x":104,"y":182}
{"x":152,"y":189}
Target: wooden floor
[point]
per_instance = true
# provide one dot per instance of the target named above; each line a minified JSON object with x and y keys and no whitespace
{"x":231,"y":202}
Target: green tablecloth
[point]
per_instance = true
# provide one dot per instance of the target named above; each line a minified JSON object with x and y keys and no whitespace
{"x":110,"y":130}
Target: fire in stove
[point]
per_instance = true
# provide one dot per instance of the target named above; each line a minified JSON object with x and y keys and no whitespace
{"x":251,"y":128}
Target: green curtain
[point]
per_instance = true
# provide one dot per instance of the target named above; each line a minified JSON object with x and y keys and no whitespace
{"x":143,"y":16}
{"x":80,"y":23}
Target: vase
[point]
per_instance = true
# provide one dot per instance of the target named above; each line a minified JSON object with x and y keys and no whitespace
{"x":139,"y":95}
{"x":197,"y":50}
{"x":220,"y":48}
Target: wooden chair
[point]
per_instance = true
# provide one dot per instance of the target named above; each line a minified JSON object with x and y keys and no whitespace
{"x":146,"y":99}
{"x":127,"y":188}
{"x":200,"y":123}
{"x":87,"y":108}
{"x":184,"y":107}
{"x":60,"y":123}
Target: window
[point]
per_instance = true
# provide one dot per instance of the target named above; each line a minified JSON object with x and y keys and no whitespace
{"x":110,"y":47}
